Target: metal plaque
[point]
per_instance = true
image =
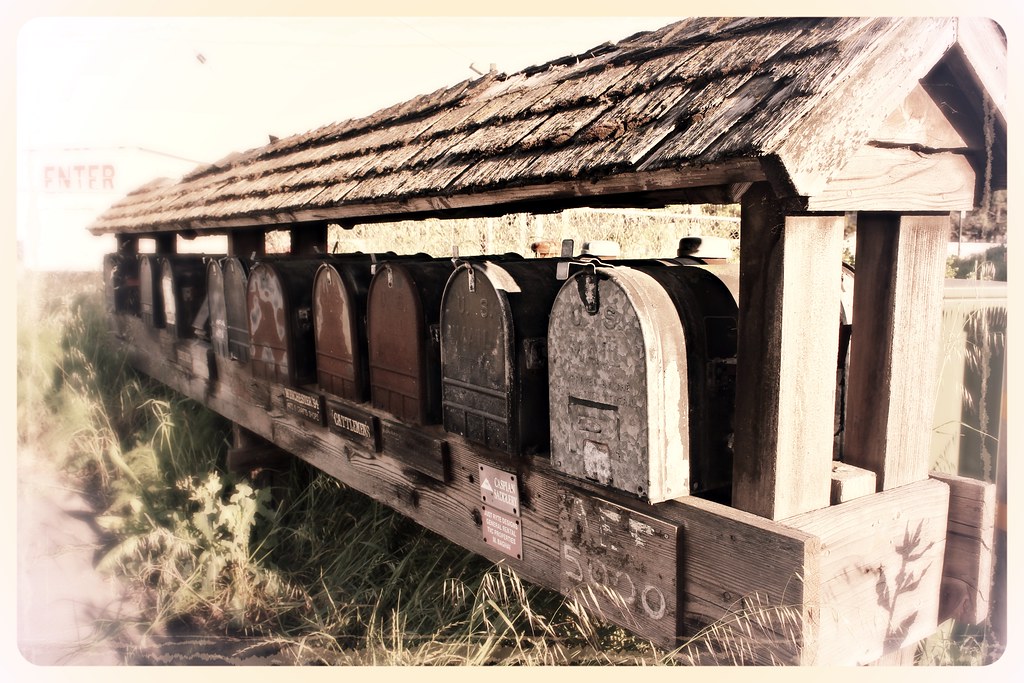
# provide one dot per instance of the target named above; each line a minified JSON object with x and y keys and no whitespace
{"x":307,"y":405}
{"x":422,"y":453}
{"x":502,"y":532}
{"x":499,"y":489}
{"x":354,"y":424}
{"x":620,"y":563}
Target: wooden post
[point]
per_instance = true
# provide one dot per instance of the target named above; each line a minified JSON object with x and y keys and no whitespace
{"x":245,"y":243}
{"x":309,"y":239}
{"x":127,"y":244}
{"x":166,"y":242}
{"x":790,"y":271}
{"x":897,"y":312}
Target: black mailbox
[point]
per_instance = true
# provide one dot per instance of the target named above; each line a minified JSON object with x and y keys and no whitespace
{"x":494,"y":319}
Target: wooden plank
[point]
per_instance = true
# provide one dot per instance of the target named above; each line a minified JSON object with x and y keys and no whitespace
{"x":850,"y":482}
{"x":970,"y":550}
{"x":881,"y":572}
{"x":884,"y":65}
{"x":786,"y":357}
{"x":620,"y":564}
{"x":496,"y":202}
{"x":732,"y":562}
{"x":898,"y":179}
{"x":774,"y":586}
{"x":897,"y":303}
{"x":919,"y":122}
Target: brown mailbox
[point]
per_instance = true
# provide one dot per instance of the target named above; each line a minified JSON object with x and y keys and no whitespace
{"x":339,"y":323}
{"x":183,"y":291}
{"x":217,"y":308}
{"x":279,"y":298}
{"x":403,"y":313}
{"x":494,"y":319}
{"x":641,"y":364}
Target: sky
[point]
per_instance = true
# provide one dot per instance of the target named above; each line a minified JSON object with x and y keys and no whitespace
{"x":140,"y":97}
{"x":131,"y":99}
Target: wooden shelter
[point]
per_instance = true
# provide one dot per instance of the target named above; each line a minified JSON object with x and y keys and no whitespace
{"x":801,"y":121}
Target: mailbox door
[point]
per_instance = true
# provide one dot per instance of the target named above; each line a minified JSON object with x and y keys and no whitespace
{"x":151,"y":306}
{"x":271,"y":351}
{"x":218,"y":311}
{"x":339,"y":309}
{"x":403,"y":309}
{"x":183,"y":289}
{"x":618,"y":391}
{"x":236,"y":308}
{"x":478,"y":390}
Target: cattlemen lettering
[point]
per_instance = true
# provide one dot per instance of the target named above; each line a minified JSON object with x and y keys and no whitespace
{"x":348,"y":424}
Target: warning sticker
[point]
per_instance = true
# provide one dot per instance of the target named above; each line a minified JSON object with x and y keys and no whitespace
{"x":503,"y":532}
{"x":499,"y":489}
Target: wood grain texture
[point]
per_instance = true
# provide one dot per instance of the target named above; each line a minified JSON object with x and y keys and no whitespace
{"x":970,"y":550}
{"x":729,"y":560}
{"x":881,"y":571}
{"x":788,"y":343}
{"x":897,"y":304}
{"x":898,"y":179}
{"x":849,"y":483}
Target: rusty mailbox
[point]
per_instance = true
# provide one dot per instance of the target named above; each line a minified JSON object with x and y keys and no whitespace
{"x":279,"y":301}
{"x":217,"y":307}
{"x":641,"y":366}
{"x":494,"y":318}
{"x":183,"y":292}
{"x":403,"y":313}
{"x":339,"y":323}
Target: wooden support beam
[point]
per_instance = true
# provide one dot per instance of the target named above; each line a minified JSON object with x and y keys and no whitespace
{"x":309,"y":240}
{"x":897,"y":306}
{"x":245,"y":243}
{"x":127,"y":244}
{"x":970,"y":551}
{"x":849,"y":482}
{"x":880,"y":572}
{"x":786,"y":358}
{"x":166,"y":242}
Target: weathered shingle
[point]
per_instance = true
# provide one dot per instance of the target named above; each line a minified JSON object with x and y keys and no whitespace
{"x":691,"y":94}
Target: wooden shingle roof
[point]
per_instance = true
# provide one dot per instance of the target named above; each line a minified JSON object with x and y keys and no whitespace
{"x":700,"y":103}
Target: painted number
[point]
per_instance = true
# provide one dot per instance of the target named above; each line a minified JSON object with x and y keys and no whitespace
{"x":597,"y":575}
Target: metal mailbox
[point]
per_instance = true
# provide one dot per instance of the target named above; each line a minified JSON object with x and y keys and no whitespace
{"x":217,"y":307}
{"x":494,"y":319}
{"x":641,"y":367}
{"x":279,"y":301}
{"x":183,"y":291}
{"x":403,"y":314}
{"x":235,"y":272}
{"x":151,"y":304}
{"x":121,"y":283}
{"x":339,"y":323}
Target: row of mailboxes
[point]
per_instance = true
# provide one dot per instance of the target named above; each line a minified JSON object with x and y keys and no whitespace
{"x":165,"y":291}
{"x":623,"y":373}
